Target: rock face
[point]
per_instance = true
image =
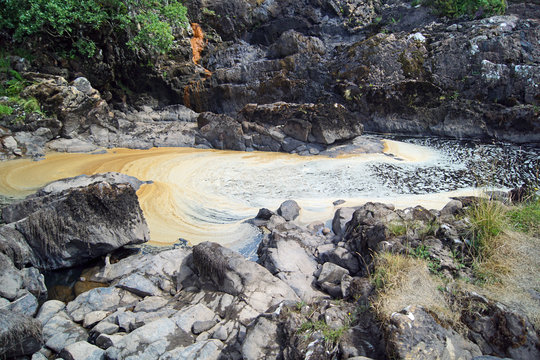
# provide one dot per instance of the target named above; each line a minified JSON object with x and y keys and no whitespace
{"x":65,"y":225}
{"x":413,"y":333}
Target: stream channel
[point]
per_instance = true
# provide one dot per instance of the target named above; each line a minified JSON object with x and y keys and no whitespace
{"x":198,"y":195}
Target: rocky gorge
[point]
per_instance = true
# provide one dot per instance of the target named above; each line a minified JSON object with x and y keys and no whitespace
{"x":310,"y":78}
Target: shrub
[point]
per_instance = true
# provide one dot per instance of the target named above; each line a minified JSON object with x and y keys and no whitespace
{"x":5,"y":110}
{"x":488,"y":219}
{"x":148,"y":24}
{"x":457,"y":8}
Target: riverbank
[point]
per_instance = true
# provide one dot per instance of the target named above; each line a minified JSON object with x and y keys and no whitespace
{"x":352,"y":290}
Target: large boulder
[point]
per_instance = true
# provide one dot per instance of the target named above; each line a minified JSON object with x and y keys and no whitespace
{"x":67,"y":226}
{"x":233,"y":274}
{"x":77,"y":105}
{"x":20,"y":335}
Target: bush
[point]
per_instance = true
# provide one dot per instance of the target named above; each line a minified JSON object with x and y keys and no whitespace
{"x":148,"y":24}
{"x":457,"y":8}
{"x":488,"y":220}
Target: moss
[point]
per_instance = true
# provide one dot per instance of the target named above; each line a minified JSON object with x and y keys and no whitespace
{"x":412,"y":63}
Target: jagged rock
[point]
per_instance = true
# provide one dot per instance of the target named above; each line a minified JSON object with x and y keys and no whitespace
{"x":414,"y":333}
{"x":20,"y":335}
{"x":331,"y":273}
{"x":94,"y":317}
{"x":78,"y":224}
{"x":81,"y":351}
{"x":151,"y":303}
{"x":230,"y":272}
{"x":325,"y":123}
{"x":105,"y":341}
{"x":289,"y":210}
{"x":222,"y":131}
{"x":499,"y":331}
{"x":15,"y":247}
{"x":341,"y":217}
{"x":76,"y":109}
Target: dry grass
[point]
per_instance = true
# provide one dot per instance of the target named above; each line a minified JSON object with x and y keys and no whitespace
{"x":404,"y":280}
{"x":519,"y":255}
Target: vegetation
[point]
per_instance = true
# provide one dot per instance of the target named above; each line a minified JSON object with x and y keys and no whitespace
{"x":147,"y":24}
{"x":330,"y":335}
{"x":458,"y":8}
{"x":11,"y":86}
{"x":526,"y":217}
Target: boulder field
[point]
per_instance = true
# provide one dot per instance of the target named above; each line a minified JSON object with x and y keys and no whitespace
{"x":309,"y":295}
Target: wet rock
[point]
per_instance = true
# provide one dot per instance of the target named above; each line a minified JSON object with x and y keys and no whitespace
{"x":289,"y":210}
{"x":414,"y":333}
{"x":20,"y":335}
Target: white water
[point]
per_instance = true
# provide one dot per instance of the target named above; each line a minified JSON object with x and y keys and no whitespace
{"x":201,"y":195}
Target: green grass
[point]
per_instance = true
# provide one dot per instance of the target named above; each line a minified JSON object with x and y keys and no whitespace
{"x":458,"y":8}
{"x":488,"y":220}
{"x":397,"y":228}
{"x":526,"y":217}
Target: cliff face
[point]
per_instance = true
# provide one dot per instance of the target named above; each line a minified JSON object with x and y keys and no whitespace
{"x":397,"y":68}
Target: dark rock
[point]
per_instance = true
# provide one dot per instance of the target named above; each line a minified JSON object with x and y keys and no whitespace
{"x":414,"y":333}
{"x":264,"y":214}
{"x":222,"y":131}
{"x":289,"y":210}
{"x":230,"y":272}
{"x":329,"y":122}
{"x":20,"y":335}
{"x":78,"y":224}
{"x":341,"y":217}
{"x":498,"y":330}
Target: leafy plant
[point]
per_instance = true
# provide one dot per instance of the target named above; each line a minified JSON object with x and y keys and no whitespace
{"x":5,"y":110}
{"x":147,"y":24}
{"x":397,"y":228}
{"x":457,"y":8}
{"x":330,"y":335}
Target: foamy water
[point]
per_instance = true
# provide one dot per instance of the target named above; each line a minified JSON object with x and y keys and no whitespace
{"x":201,"y":195}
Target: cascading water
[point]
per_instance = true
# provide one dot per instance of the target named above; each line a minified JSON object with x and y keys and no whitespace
{"x":201,"y":195}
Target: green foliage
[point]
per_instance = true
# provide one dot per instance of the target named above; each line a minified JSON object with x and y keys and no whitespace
{"x":147,"y":23}
{"x":5,"y":110}
{"x":330,"y":335}
{"x":457,"y":8}
{"x":397,"y":228}
{"x":526,"y":217}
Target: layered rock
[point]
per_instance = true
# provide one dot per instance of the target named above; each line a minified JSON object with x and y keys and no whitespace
{"x":66,"y":224}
